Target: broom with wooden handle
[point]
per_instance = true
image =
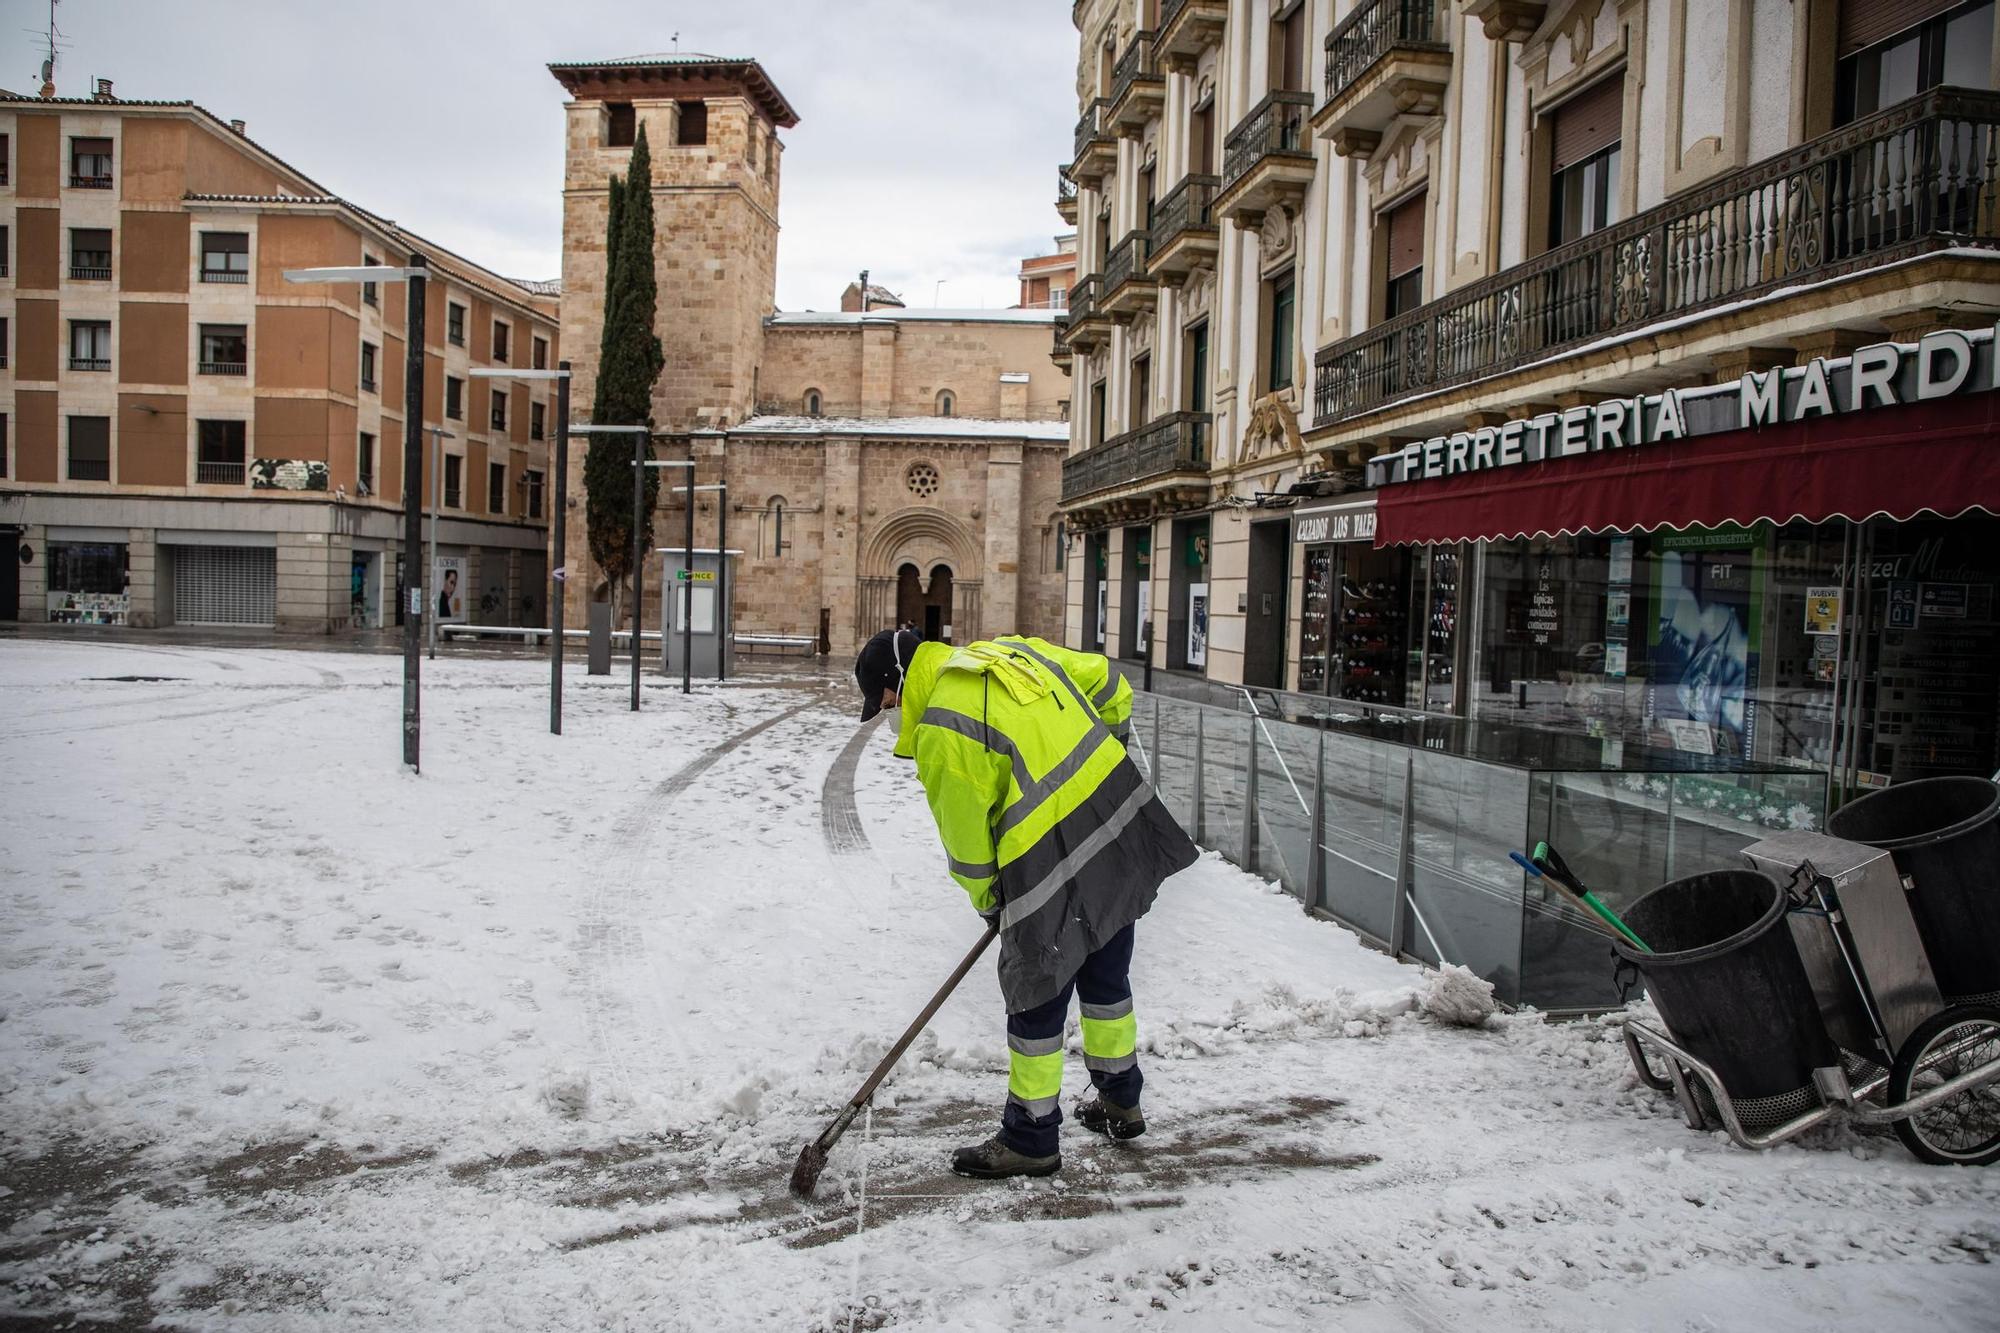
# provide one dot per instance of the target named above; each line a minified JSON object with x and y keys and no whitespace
{"x":812,"y":1157}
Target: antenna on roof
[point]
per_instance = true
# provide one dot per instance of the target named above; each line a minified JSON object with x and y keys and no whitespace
{"x":677,"y":43}
{"x":49,"y":64}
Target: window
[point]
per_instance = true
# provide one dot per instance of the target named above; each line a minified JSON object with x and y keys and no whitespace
{"x":1880,"y":66}
{"x":3,"y":444}
{"x":90,"y":448}
{"x":3,"y":344}
{"x":225,"y":256}
{"x":813,"y":403}
{"x":1095,"y":436}
{"x":368,"y":367}
{"x":499,"y":409}
{"x":621,"y":129}
{"x":537,"y":420}
{"x":1139,"y":410}
{"x":922,"y":479}
{"x":454,"y":324}
{"x":454,"y":398}
{"x":945,"y":403}
{"x":1197,"y":385}
{"x":774,"y":513}
{"x":89,"y":344}
{"x":87,"y":567}
{"x":1403,"y":257}
{"x":1280,"y":341}
{"x":500,"y":334}
{"x":1201,"y":139}
{"x":364,"y":463}
{"x":1058,"y":297}
{"x":541,"y":353}
{"x":90,"y":254}
{"x":534,"y":493}
{"x":692,"y":124}
{"x":224,"y":350}
{"x":1583,"y":161}
{"x":496,"y":488}
{"x":453,"y":465}
{"x":5,"y":157}
{"x":219,"y":452}
{"x":4,"y":248}
{"x":1288,"y":48}
{"x":90,"y":164}
{"x":370,"y":294}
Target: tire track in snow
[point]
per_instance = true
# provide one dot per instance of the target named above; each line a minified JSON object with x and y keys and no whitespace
{"x":840,"y":820}
{"x":611,"y":940}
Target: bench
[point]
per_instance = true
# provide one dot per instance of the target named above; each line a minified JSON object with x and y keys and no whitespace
{"x":775,"y":642}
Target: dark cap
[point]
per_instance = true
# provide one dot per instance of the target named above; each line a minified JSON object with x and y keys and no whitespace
{"x":880,"y":666}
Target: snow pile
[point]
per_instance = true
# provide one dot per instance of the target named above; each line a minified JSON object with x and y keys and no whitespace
{"x":1457,"y":996}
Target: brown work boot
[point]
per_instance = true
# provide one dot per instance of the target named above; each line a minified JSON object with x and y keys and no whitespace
{"x":994,"y":1160}
{"x":1119,"y":1122}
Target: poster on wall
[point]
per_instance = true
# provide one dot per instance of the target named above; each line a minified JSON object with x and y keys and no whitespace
{"x":1822,"y":610}
{"x":1100,"y":613}
{"x":1144,"y":632}
{"x":1197,"y":640}
{"x":1703,"y":641}
{"x":449,"y":601}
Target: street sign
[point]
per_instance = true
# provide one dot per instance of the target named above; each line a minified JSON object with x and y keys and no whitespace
{"x":695,"y":575}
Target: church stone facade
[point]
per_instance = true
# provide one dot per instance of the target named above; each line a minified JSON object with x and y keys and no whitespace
{"x":883,"y":465}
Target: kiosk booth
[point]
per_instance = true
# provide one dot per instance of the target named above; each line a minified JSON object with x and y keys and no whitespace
{"x":711,"y":581}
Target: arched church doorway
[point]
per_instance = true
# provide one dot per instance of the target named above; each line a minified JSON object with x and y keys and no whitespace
{"x":925,"y":603}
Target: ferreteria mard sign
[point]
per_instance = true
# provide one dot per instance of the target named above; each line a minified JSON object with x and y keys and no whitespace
{"x":1938,"y":365}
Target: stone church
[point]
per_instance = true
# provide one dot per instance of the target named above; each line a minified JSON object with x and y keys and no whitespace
{"x":883,"y":464}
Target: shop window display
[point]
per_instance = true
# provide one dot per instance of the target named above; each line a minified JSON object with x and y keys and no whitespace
{"x":87,"y":583}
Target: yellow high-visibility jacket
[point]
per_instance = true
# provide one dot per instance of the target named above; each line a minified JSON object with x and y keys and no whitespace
{"x":1045,"y":821}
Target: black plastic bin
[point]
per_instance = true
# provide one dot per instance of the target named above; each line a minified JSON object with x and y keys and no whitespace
{"x":1944,"y":835}
{"x":1727,"y":980}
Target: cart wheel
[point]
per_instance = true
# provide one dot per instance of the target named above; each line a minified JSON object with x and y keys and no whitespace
{"x":1964,"y":1130}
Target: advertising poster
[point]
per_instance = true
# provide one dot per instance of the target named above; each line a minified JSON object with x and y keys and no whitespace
{"x":1702,"y":643}
{"x":448,"y":600}
{"x":1822,"y":610}
{"x":1197,"y":644}
{"x":1100,"y":613}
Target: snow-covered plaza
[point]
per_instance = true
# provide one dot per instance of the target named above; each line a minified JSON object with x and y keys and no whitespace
{"x":291,"y":1039}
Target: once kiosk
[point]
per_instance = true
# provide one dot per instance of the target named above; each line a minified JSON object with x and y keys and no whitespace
{"x":709,"y":642}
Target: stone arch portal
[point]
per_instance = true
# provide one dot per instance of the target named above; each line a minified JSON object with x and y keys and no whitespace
{"x":920,"y":565}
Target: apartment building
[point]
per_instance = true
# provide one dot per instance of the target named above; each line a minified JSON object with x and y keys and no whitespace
{"x":189,"y":439}
{"x":1614,"y":368}
{"x":1046,"y":279}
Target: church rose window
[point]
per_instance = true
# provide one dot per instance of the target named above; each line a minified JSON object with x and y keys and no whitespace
{"x":922,"y":480}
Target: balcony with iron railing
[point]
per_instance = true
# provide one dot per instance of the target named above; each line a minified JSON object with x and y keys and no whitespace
{"x":94,"y":363}
{"x":1922,"y":176}
{"x":1096,"y":151}
{"x":1065,"y":194}
{"x":211,"y":473}
{"x":224,"y":275}
{"x":223,"y":367}
{"x":1138,"y":87}
{"x":84,"y":181}
{"x":1170,"y":450}
{"x":1089,"y":325}
{"x":1266,"y":160}
{"x":1127,"y":286}
{"x":1388,"y":58}
{"x":1059,"y":345}
{"x":90,"y":271}
{"x":89,"y":469}
{"x":1184,"y":231}
{"x":1186,"y":28}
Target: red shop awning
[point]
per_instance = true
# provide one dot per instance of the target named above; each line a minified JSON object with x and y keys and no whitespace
{"x":1941,"y":456}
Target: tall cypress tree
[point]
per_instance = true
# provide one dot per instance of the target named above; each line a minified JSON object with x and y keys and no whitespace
{"x":629,"y":361}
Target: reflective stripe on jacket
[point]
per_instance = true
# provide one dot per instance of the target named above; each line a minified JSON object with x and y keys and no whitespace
{"x":1044,"y":819}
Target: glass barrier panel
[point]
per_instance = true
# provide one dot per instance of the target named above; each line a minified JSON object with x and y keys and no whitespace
{"x":1362,"y":848}
{"x":1285,"y":759}
{"x":1225,"y":750}
{"x":1173,"y":758}
{"x":1465,"y":893}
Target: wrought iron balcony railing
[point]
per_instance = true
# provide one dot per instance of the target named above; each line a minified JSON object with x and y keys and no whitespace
{"x":219,"y":474}
{"x":1169,"y":11}
{"x":1922,"y":175}
{"x":1090,"y":128}
{"x":1188,"y":207}
{"x":1065,"y":187}
{"x":1367,"y":34}
{"x":223,"y":367}
{"x":91,"y":363}
{"x":89,"y":469}
{"x":1127,"y":261}
{"x":1137,"y":63}
{"x":82,"y":182}
{"x":1275,"y":126}
{"x":223,"y":275}
{"x":90,"y":272}
{"x":1059,"y":340}
{"x":1084,"y":294}
{"x":1174,"y":443}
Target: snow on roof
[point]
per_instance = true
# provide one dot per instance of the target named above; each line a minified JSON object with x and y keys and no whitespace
{"x":929,"y":427}
{"x":940,"y":316}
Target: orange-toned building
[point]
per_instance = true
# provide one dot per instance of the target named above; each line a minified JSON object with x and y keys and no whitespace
{"x":1046,"y":279}
{"x":189,"y":439}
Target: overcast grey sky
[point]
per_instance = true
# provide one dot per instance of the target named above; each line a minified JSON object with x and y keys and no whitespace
{"x":928,"y":136}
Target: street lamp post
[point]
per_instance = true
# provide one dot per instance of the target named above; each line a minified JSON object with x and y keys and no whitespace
{"x":558,"y":574}
{"x":413,"y":276}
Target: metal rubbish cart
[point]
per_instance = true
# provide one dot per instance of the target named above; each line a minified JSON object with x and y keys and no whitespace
{"x":1892,"y":1012}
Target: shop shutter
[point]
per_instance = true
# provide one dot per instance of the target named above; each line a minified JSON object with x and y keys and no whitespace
{"x":1866,"y":22}
{"x":1406,"y":237}
{"x":225,"y":585}
{"x":1588,"y":123}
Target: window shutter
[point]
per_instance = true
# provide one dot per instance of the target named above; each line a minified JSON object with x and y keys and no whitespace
{"x":1866,"y":22}
{"x":1406,"y":237}
{"x":1588,"y":123}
